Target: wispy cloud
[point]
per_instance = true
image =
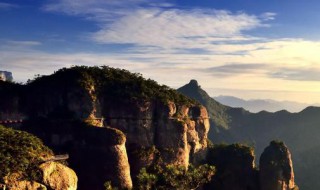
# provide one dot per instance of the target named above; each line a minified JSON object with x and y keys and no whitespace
{"x":268,"y":16}
{"x":23,"y":43}
{"x":175,"y":28}
{"x":228,"y":70}
{"x":16,"y":45}
{"x":6,"y":6}
{"x":98,"y":10}
{"x":297,"y":74}
{"x":158,"y":24}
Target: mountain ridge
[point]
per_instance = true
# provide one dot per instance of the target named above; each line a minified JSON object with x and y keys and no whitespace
{"x":257,"y":105}
{"x":299,"y":130}
{"x":125,"y":131}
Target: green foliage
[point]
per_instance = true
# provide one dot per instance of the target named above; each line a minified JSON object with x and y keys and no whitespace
{"x":21,"y":152}
{"x":174,"y":177}
{"x":275,"y":155}
{"x":108,"y":186}
{"x":111,"y":83}
{"x":237,"y":148}
{"x":223,"y":155}
{"x":145,"y":152}
{"x":277,"y":143}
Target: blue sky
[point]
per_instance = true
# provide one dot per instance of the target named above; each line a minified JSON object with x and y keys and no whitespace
{"x":245,"y":48}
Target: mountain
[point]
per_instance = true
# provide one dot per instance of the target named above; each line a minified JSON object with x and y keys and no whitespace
{"x":219,"y":118}
{"x":121,"y":130}
{"x":299,"y":130}
{"x":111,"y":122}
{"x":258,"y":105}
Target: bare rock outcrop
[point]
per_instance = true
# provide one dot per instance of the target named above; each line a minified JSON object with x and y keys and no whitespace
{"x":26,"y":185}
{"x":14,"y":181}
{"x":97,"y":154}
{"x":57,"y":176}
{"x":125,"y":113}
{"x":178,"y":131}
{"x":276,"y":169}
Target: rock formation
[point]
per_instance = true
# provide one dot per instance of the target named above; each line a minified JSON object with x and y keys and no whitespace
{"x":23,"y":166}
{"x":145,"y":113}
{"x":14,"y":182}
{"x":6,"y":76}
{"x":276,"y":170}
{"x":113,"y":123}
{"x":58,"y":176}
{"x":92,"y":150}
{"x":235,"y":168}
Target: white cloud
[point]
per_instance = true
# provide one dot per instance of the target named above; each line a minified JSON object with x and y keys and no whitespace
{"x":98,"y":10}
{"x":158,"y":23}
{"x":268,"y":16}
{"x":175,"y":28}
{"x":23,"y":43}
{"x":16,"y":45}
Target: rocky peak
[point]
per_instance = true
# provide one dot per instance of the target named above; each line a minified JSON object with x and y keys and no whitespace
{"x":276,"y":169}
{"x":216,"y":111}
{"x":194,"y":83}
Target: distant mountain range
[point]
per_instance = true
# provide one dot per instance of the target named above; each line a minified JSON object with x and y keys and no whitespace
{"x":300,"y":131}
{"x":257,"y":105}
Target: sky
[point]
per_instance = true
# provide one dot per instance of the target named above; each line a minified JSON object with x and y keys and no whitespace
{"x":251,"y":49}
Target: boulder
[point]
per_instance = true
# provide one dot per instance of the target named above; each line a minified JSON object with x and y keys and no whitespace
{"x":26,"y":185}
{"x":58,"y":176}
{"x":15,"y":181}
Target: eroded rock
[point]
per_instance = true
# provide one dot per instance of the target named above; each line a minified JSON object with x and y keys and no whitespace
{"x":57,"y":176}
{"x":276,"y":169}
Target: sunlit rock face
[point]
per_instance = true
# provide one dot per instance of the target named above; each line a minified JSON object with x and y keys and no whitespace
{"x":58,"y":176}
{"x":276,"y":169}
{"x":123,"y":113}
{"x":179,"y":132}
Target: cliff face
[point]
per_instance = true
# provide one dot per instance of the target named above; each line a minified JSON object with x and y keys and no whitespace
{"x":235,"y":168}
{"x":177,"y":131}
{"x":11,"y":101}
{"x":112,"y":123}
{"x":97,"y":154}
{"x":276,"y":170}
{"x":140,"y":113}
